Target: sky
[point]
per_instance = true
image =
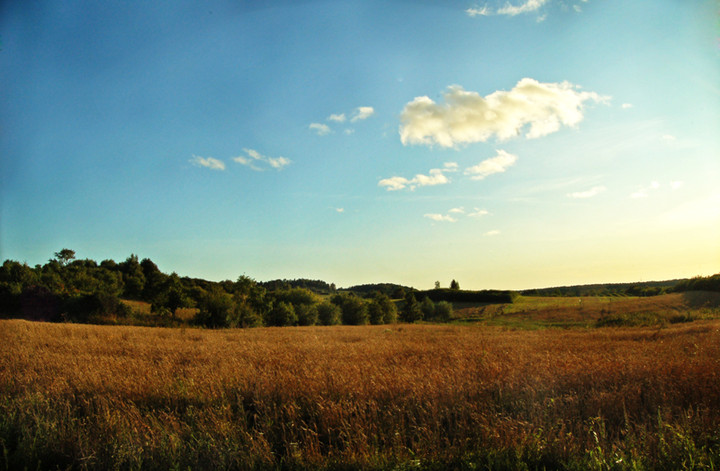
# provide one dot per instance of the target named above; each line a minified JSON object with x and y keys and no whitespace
{"x":506,"y":144}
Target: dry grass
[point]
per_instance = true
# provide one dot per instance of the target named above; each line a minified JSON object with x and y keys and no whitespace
{"x":372,"y":397}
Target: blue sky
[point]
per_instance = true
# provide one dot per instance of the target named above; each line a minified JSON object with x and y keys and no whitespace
{"x":506,"y":144}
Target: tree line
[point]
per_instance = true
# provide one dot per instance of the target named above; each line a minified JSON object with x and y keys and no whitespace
{"x":82,"y":290}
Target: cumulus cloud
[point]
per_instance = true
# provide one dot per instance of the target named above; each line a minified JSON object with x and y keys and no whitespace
{"x":256,"y":161}
{"x":436,"y":177}
{"x":450,"y":166}
{"x":466,"y":117}
{"x":459,"y":210}
{"x":440,"y":217}
{"x":497,"y":164}
{"x":594,"y":191}
{"x":362,"y":112}
{"x":208,"y":162}
{"x":320,"y":129}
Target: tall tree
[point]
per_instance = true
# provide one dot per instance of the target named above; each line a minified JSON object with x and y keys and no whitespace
{"x":411,"y":310}
{"x":65,"y":256}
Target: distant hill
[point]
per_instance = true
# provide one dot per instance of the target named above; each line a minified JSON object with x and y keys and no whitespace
{"x":317,"y":286}
{"x":391,"y":289}
{"x":646,"y":288}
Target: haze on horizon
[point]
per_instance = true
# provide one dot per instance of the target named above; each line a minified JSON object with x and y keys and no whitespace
{"x":505,"y":144}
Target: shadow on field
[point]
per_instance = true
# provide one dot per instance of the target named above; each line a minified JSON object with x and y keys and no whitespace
{"x":702,"y":299}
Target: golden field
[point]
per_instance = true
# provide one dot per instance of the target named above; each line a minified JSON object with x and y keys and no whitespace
{"x":370,"y":397}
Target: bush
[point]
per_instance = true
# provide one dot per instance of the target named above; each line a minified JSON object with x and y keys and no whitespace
{"x":328,"y":313}
{"x":282,"y":314}
{"x":353,"y":309}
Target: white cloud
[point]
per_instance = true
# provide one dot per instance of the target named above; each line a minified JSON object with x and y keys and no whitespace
{"x":436,"y":177}
{"x":676,"y":185}
{"x":450,"y":166}
{"x":338,"y":118}
{"x":320,"y":129}
{"x":645,"y":192}
{"x":440,"y":217}
{"x":208,"y":162}
{"x":479,"y":213}
{"x":484,"y":11}
{"x":527,"y":7}
{"x":362,"y":112}
{"x":394,"y":183}
{"x":497,"y":164}
{"x":626,"y":106}
{"x":669,"y":138}
{"x":459,"y":210}
{"x":492,"y":233}
{"x":278,"y":162}
{"x":594,"y":191}
{"x":467,"y":117}
{"x":255,"y":160}
{"x":340,"y":210}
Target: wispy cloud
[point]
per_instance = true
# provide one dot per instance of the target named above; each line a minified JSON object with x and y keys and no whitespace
{"x":477,"y":213}
{"x":484,"y":11}
{"x":454,"y":213}
{"x":466,"y":117}
{"x":209,"y":162}
{"x":528,"y":7}
{"x":492,"y":233}
{"x":258,"y":162}
{"x":498,"y":164}
{"x":440,"y":217}
{"x":626,"y":106}
{"x":594,"y":191}
{"x":340,"y":210}
{"x":362,"y":112}
{"x":320,"y":129}
{"x":645,"y":192}
{"x":436,"y":177}
{"x":358,"y":114}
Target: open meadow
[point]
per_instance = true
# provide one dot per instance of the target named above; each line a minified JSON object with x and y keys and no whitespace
{"x":372,"y":397}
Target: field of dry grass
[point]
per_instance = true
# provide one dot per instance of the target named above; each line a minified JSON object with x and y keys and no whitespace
{"x":372,"y":397}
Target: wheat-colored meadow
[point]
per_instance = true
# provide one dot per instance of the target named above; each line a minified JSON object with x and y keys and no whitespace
{"x":379,"y":397}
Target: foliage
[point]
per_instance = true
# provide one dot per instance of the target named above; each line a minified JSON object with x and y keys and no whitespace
{"x":392,"y":290}
{"x":353,"y":310}
{"x":699,"y":283}
{"x":382,"y":310}
{"x":466,"y":296}
{"x":328,"y":313}
{"x":411,"y":311}
{"x":281,"y":314}
{"x":215,"y":308}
